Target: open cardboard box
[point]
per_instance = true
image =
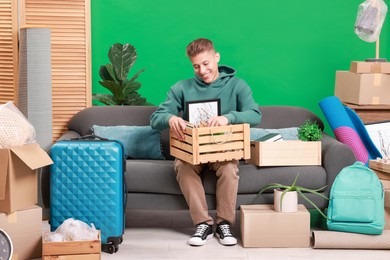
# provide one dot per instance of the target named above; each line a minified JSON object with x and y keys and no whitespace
{"x":18,"y":176}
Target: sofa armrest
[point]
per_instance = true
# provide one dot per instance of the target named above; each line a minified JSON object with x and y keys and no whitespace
{"x":335,"y":156}
{"x":68,"y":135}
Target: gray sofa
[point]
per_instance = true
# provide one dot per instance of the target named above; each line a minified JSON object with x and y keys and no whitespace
{"x":151,"y":184}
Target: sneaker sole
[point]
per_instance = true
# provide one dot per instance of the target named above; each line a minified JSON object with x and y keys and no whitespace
{"x":224,"y":242}
{"x":201,"y":242}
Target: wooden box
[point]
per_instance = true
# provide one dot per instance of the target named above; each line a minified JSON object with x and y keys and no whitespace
{"x":284,"y":153}
{"x":382,"y":170}
{"x":212,"y":144}
{"x":73,"y":250}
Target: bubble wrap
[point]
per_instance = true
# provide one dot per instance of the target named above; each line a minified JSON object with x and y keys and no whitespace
{"x":15,"y":129}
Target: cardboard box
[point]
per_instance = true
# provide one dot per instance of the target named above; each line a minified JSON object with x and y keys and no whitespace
{"x":212,"y":144}
{"x":283,"y":153}
{"x":387,"y":209}
{"x":18,"y":178}
{"x":25,"y":230}
{"x":369,"y":67}
{"x":386,"y":184}
{"x":363,"y":89}
{"x":73,"y":250}
{"x":261,"y":226}
{"x":382,"y":170}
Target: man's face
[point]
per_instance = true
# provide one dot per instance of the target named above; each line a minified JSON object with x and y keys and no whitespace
{"x":205,"y":65}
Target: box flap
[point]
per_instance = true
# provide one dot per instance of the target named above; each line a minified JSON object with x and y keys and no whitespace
{"x":32,"y":155}
{"x":4,"y":154}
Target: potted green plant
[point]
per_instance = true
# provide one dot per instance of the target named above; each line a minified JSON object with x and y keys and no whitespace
{"x":309,"y":131}
{"x":114,"y":78}
{"x":281,"y":191}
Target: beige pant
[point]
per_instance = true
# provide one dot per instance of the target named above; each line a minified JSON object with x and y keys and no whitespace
{"x":188,"y":177}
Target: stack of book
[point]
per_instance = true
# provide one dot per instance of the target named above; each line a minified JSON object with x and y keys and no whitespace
{"x":271,"y":137}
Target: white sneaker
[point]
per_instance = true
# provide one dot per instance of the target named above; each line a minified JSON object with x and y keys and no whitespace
{"x":226,"y":237}
{"x":203,"y":233}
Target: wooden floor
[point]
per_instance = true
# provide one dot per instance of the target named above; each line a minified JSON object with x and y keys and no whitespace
{"x":164,"y":235}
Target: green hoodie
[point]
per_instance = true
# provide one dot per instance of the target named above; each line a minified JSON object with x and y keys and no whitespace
{"x":237,"y":103}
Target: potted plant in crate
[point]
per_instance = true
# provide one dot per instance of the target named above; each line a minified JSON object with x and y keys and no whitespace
{"x":309,"y":131}
{"x":114,"y":78}
{"x":286,"y":196}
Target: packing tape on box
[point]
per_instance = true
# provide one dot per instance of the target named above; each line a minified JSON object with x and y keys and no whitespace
{"x":375,"y":100}
{"x":377,"y":79}
{"x":12,"y":218}
{"x":334,"y":239}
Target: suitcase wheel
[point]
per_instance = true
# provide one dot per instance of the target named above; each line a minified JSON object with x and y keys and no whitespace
{"x":109,"y":248}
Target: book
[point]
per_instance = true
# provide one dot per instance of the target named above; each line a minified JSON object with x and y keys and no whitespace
{"x":271,"y":137}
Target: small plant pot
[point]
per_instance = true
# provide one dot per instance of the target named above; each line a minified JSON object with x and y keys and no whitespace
{"x":289,"y":202}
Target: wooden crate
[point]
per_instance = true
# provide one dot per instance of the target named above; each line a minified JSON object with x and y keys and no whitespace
{"x":382,"y":170}
{"x":73,"y":250}
{"x":284,"y":153}
{"x":212,"y":144}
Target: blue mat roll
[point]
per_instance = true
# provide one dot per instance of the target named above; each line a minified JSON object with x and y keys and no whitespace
{"x":349,"y":129}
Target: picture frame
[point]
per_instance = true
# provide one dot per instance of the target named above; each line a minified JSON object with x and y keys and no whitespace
{"x":199,"y":111}
{"x":379,"y":133}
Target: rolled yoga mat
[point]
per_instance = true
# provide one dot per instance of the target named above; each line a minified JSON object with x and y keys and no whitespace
{"x":333,"y":239}
{"x":349,"y":129}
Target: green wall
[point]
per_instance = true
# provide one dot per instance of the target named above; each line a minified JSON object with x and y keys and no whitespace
{"x":287,"y":51}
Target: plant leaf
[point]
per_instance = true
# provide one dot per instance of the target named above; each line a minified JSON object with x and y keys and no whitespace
{"x":104,"y":74}
{"x":113,"y":87}
{"x":312,"y":203}
{"x":122,"y":58}
{"x":273,"y":186}
{"x":106,"y":99}
{"x":314,"y":191}
{"x":136,"y":75}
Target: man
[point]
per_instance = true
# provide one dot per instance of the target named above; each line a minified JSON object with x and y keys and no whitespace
{"x":237,"y":106}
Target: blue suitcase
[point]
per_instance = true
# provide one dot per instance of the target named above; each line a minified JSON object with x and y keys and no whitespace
{"x":87,"y":183}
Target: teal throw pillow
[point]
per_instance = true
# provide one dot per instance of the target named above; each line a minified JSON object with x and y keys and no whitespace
{"x":140,"y":142}
{"x":290,"y":133}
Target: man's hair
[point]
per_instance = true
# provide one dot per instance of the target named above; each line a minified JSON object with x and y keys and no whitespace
{"x":199,"y":46}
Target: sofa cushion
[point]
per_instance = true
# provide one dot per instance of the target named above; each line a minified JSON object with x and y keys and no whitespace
{"x":253,"y":178}
{"x":140,"y":142}
{"x":290,"y":133}
{"x":151,"y":176}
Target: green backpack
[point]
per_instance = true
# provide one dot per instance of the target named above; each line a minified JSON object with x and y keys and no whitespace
{"x":356,"y":201}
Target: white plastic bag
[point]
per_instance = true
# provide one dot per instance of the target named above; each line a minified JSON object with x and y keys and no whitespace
{"x":15,"y":129}
{"x":73,"y":230}
{"x":370,"y":17}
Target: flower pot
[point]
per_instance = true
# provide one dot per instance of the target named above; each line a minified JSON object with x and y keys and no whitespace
{"x":289,"y":202}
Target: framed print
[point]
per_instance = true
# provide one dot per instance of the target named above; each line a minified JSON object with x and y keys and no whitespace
{"x":380,"y":136}
{"x":200,"y":111}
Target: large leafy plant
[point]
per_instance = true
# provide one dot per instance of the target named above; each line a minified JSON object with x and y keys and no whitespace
{"x":114,"y":77}
{"x":299,"y":189}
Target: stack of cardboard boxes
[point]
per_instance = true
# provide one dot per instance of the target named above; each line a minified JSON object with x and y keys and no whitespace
{"x":20,"y":217}
{"x":366,"y":83}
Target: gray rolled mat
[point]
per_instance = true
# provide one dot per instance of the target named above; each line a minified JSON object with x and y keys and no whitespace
{"x":333,"y":239}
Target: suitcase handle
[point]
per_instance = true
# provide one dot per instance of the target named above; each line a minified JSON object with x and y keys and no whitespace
{"x":90,"y":137}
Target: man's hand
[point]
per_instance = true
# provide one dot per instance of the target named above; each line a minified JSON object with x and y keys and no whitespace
{"x":178,"y":125}
{"x":217,"y":121}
